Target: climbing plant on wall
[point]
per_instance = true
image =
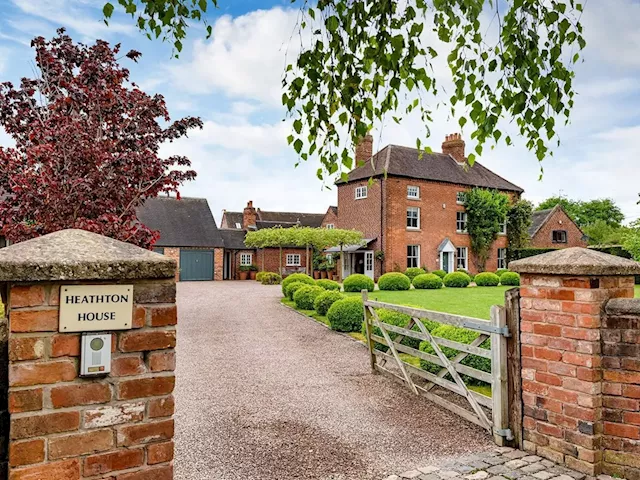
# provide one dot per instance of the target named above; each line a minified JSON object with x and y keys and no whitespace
{"x":486,"y":211}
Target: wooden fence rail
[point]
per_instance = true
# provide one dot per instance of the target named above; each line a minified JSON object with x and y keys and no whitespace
{"x":449,"y":376}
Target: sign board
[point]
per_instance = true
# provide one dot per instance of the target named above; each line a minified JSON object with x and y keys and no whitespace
{"x":91,"y":308}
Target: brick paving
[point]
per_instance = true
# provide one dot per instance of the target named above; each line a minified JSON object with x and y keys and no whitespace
{"x":502,"y":463}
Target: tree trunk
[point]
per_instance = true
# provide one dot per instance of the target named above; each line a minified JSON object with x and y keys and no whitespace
{"x":263,"y":255}
{"x":281,"y":272}
{"x":341,"y":264}
{"x":308,"y":261}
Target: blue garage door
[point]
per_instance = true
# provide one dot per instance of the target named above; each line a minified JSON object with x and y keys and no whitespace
{"x":196,"y":265}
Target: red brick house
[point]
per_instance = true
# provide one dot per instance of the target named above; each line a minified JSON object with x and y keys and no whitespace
{"x":413,"y":210}
{"x":235,"y":225}
{"x":553,"y":228}
{"x":330,"y":219}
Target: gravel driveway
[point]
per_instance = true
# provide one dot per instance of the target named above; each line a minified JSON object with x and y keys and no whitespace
{"x":264,"y":393}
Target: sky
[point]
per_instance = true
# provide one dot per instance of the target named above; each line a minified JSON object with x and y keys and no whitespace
{"x":233,"y":82}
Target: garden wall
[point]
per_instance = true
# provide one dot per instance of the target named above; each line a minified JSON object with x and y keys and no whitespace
{"x":4,"y":385}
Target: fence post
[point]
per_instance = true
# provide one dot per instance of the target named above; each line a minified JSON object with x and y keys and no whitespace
{"x":499,"y":391}
{"x":514,"y":365}
{"x":367,"y":326}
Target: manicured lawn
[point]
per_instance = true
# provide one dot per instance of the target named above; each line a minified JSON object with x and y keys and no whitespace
{"x":471,"y":302}
{"x":637,"y":291}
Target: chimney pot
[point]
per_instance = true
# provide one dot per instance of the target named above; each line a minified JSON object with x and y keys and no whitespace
{"x":364,"y":150}
{"x":249,"y":216}
{"x":454,"y":145}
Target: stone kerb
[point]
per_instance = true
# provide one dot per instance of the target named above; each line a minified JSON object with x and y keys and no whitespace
{"x":563,"y":294}
{"x":116,"y":426}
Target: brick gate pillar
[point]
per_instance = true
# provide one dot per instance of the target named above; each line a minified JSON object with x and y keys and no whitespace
{"x":115,"y":425}
{"x":563,"y":294}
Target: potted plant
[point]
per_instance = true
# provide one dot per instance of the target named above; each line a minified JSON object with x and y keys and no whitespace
{"x":323,"y":269}
{"x":336,"y":272}
{"x":244,"y":272}
{"x":330,"y":270}
{"x":253,"y":271}
{"x":317,"y":259}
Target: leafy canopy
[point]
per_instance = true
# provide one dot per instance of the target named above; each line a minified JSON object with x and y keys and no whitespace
{"x":601,"y":233}
{"x":318,"y":238}
{"x":86,"y":145}
{"x":486,"y":211}
{"x":518,"y":223}
{"x":632,"y":240}
{"x":587,"y":212}
{"x":362,"y":61}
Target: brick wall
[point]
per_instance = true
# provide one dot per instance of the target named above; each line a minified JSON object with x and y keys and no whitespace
{"x":218,"y":263}
{"x":271,"y":258}
{"x":559,"y":221}
{"x":621,"y":388}
{"x":330,"y":218}
{"x":562,"y":364}
{"x":4,"y":384}
{"x":174,"y":253}
{"x":63,"y":426}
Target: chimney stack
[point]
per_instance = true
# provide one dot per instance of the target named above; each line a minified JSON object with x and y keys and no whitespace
{"x":249,"y":216}
{"x":364,"y":150}
{"x":454,"y":145}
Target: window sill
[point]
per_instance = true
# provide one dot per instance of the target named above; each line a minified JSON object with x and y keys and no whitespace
{"x":361,"y":198}
{"x":413,"y":198}
{"x":461,"y":232}
{"x":413,"y":229}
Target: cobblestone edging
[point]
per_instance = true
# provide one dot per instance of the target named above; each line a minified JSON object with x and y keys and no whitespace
{"x":503,"y":463}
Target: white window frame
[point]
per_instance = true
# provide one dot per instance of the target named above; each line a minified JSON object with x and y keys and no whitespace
{"x":416,"y":256}
{"x":330,"y":226}
{"x":566,"y":237}
{"x":462,"y":258}
{"x":416,"y":211}
{"x":246,"y":259}
{"x":503,"y":227}
{"x":461,"y":220}
{"x":413,"y":189}
{"x":291,"y":262}
{"x":461,"y":198}
{"x":238,"y":226}
{"x":502,"y":258}
{"x":329,"y":258}
{"x":361,"y":192}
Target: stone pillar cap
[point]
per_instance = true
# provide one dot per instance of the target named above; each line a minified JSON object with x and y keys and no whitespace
{"x":576,"y":261}
{"x":80,"y":255}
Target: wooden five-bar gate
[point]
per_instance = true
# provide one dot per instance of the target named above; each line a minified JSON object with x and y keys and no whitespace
{"x":491,"y":413}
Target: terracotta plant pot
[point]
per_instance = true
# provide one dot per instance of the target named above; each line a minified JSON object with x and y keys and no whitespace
{"x":316,"y":275}
{"x":323,"y":274}
{"x":330,"y":275}
{"x":243,"y":275}
{"x":252,"y":275}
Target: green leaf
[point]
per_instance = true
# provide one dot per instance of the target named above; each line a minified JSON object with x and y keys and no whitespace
{"x":297,"y":126}
{"x":332,"y":23}
{"x":107,"y":10}
{"x":297,"y":145}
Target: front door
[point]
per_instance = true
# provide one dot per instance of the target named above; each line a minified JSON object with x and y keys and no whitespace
{"x":445,"y":261}
{"x":346,"y":265}
{"x":227,"y":266}
{"x":368,"y":264}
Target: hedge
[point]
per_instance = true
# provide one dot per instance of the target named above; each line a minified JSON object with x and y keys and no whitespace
{"x":358,"y":282}
{"x":413,"y":272}
{"x":270,"y":278}
{"x":346,"y":315}
{"x":305,"y":296}
{"x":394,"y":281}
{"x":440,"y":273}
{"x":460,"y":335}
{"x":466,"y":272}
{"x":296,"y":277}
{"x":510,"y":278}
{"x":293,"y":287}
{"x":457,"y":280}
{"x":328,"y":284}
{"x":259,"y":276}
{"x":427,"y":281}
{"x":393,"y":318}
{"x":518,"y":253}
{"x":324,"y":301}
{"x":487,"y":279}
{"x":500,"y":271}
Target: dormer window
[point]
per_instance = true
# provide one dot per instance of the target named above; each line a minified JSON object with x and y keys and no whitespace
{"x":238,"y":225}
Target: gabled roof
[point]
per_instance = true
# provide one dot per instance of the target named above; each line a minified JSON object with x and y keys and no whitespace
{"x":333,"y":209}
{"x":233,"y":239}
{"x":233,"y":219}
{"x":274,"y":219}
{"x":439,"y":167}
{"x":187,"y":222}
{"x":538,"y":219}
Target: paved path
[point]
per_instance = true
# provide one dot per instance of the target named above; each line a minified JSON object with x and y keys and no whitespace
{"x":264,"y":393}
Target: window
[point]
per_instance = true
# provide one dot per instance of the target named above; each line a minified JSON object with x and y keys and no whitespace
{"x":461,"y":222}
{"x":461,"y":197}
{"x":361,"y":192}
{"x":463,"y":256}
{"x":559,"y":236}
{"x":413,"y":217}
{"x":503,"y":227}
{"x":368,"y":259}
{"x":413,"y":192}
{"x":329,"y":258}
{"x":502,"y":258}
{"x":246,"y":259}
{"x":238,"y":225}
{"x":293,"y":259}
{"x":330,"y":226}
{"x":413,"y":256}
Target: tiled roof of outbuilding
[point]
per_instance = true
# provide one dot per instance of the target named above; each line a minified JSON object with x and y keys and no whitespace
{"x":233,"y":239}
{"x":187,"y":222}
{"x":233,"y":219}
{"x":406,"y":162}
{"x":539,"y":218}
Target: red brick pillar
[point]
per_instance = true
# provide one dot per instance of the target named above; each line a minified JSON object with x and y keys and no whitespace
{"x":65,"y":427}
{"x":562,"y":297}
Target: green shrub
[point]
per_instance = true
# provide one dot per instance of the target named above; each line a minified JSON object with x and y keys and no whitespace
{"x":399,"y":320}
{"x":324,"y":301}
{"x":413,"y":272}
{"x":519,"y":253}
{"x":346,"y":315}
{"x":394,"y":281}
{"x":487,"y":279}
{"x":427,"y":281}
{"x":459,"y":335}
{"x":466,"y":272}
{"x":457,"y":280}
{"x":358,"y":282}
{"x":510,"y":278}
{"x":328,"y":284}
{"x":292,"y":287}
{"x":259,"y":276}
{"x":296,"y":277}
{"x":270,"y":278}
{"x":305,"y":296}
{"x":500,"y":271}
{"x":440,"y":273}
